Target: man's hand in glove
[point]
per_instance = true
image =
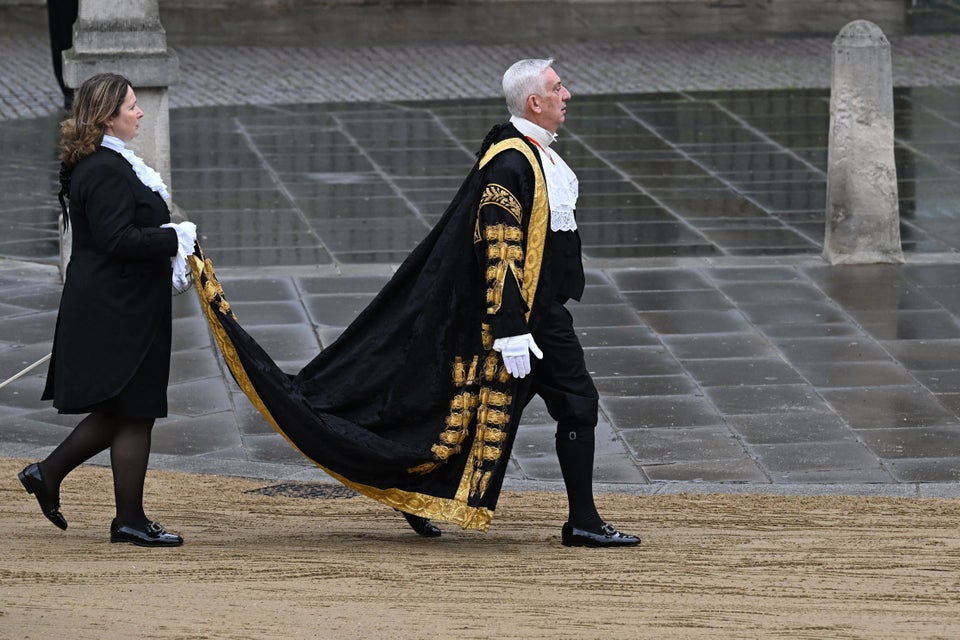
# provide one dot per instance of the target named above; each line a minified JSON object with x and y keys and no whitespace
{"x":516,"y":353}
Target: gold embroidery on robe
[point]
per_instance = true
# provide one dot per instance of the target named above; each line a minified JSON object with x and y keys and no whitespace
{"x":539,"y":217}
{"x":500,"y":196}
{"x":504,"y":256}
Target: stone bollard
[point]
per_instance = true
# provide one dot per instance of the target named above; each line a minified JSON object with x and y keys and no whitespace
{"x":127,"y":38}
{"x":862,"y":214}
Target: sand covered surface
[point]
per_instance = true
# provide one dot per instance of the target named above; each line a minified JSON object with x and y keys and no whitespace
{"x":267,"y":566}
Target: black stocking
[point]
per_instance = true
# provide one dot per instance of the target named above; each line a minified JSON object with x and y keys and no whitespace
{"x":90,"y":437}
{"x":129,"y":455}
{"x":575,"y":453}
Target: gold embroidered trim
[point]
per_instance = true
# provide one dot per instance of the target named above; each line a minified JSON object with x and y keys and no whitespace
{"x":486,"y":336}
{"x":503,"y":232}
{"x":449,"y":443}
{"x":501,"y":197}
{"x":504,"y":255}
{"x":487,"y":409}
{"x":539,"y":217}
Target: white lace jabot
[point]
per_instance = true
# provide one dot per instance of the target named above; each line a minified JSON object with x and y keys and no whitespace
{"x":147,"y":176}
{"x":563,"y":188}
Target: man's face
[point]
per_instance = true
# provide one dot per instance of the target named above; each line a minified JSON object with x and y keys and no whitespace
{"x":549,"y":109}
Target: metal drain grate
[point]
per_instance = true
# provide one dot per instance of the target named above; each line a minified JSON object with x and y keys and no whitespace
{"x":309,"y":490}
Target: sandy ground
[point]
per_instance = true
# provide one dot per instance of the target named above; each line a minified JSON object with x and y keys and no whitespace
{"x":258,"y":566}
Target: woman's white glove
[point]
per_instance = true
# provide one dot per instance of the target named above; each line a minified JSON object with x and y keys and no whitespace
{"x":516,"y":353}
{"x":186,"y":238}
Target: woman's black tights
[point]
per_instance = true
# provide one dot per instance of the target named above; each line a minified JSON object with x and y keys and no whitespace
{"x":129,"y":444}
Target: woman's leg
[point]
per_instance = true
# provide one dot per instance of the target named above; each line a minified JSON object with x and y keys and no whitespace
{"x":129,"y":455}
{"x":90,"y":437}
{"x":43,"y":478}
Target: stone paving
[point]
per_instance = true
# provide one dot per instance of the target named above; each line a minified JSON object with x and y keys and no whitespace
{"x":414,"y":52}
{"x":728,"y":355}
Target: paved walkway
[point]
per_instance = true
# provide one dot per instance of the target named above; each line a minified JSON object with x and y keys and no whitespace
{"x":457,"y":51}
{"x":728,"y":356}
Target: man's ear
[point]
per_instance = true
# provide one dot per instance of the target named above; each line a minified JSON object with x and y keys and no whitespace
{"x":533,"y":103}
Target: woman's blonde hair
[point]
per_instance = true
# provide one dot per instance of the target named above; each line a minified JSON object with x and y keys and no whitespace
{"x":97,"y":100}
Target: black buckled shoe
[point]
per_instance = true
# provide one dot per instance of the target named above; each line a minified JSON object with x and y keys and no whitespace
{"x":422,"y":525}
{"x":32,"y":481}
{"x":153,"y":535}
{"x":608,"y":537}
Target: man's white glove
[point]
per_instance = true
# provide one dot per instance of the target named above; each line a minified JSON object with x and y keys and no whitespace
{"x":186,"y":238}
{"x":516,"y":353}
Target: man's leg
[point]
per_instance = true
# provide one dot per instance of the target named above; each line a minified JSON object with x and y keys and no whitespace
{"x":564,"y":383}
{"x":561,"y":378}
{"x":575,"y":447}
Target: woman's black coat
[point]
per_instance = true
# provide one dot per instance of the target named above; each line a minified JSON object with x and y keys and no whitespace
{"x":115,"y":305}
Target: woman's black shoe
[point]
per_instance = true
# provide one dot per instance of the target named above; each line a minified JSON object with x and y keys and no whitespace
{"x":153,"y":535}
{"x":32,"y":481}
{"x":422,"y":525}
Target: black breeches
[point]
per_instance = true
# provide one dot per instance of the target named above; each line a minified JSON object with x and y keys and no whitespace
{"x":561,"y":377}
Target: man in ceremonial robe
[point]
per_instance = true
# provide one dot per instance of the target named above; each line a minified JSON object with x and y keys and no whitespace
{"x":417,"y":403}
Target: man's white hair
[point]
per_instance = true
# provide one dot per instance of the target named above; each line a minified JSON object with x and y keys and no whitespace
{"x":522,"y":80}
